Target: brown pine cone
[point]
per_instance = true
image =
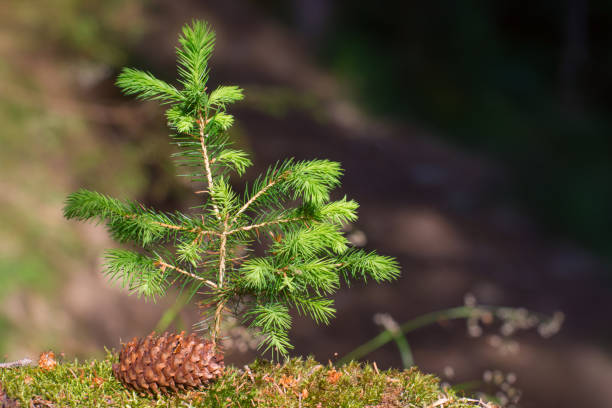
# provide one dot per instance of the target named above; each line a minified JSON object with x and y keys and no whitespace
{"x":155,"y":365}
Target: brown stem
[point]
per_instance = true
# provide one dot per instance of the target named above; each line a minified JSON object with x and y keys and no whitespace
{"x":184,"y":272}
{"x":221,"y":304}
{"x":180,"y":228}
{"x":174,"y":227}
{"x":207,"y":161}
{"x":265,"y":224}
{"x":256,"y":196}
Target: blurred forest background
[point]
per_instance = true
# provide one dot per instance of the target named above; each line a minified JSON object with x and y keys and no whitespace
{"x":475,"y":135}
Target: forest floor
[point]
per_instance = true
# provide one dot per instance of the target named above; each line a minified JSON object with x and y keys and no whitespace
{"x":297,"y":383}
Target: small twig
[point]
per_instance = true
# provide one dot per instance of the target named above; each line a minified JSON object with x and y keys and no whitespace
{"x":265,"y":224}
{"x":256,"y":196}
{"x":176,"y":227}
{"x":202,"y":123}
{"x":184,"y":272}
{"x":19,"y":363}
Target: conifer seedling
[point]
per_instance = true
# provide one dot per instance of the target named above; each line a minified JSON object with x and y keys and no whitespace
{"x":287,"y":210}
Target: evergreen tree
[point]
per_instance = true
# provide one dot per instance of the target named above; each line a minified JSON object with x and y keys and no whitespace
{"x":307,"y":254}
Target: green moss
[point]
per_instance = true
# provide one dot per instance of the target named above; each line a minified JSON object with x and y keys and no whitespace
{"x":297,"y":383}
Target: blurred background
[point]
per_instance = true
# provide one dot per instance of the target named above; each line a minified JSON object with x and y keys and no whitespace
{"x":475,"y":135}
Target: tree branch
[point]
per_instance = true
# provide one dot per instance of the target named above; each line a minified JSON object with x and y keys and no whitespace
{"x":256,"y":196}
{"x":174,"y":227}
{"x":207,"y":282}
{"x":221,"y":304}
{"x":265,"y":224}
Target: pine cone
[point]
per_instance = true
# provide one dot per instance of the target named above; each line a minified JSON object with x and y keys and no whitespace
{"x":155,"y":365}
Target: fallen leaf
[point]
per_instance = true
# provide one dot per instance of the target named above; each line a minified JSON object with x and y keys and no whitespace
{"x":333,"y":376}
{"x":47,"y":361}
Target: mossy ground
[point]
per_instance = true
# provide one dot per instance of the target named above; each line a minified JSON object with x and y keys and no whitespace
{"x":297,"y":383}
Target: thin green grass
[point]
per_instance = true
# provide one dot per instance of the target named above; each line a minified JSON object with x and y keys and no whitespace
{"x":297,"y":383}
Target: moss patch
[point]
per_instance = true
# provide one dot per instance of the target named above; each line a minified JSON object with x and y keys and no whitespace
{"x":297,"y":383}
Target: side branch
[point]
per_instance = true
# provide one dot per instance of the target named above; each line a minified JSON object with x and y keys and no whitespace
{"x":265,"y":224}
{"x":199,"y":231}
{"x":175,"y":227}
{"x":256,"y":196}
{"x":207,"y":161}
{"x":207,"y":282}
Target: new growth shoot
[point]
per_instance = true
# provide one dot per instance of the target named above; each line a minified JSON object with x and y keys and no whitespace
{"x":211,"y":249}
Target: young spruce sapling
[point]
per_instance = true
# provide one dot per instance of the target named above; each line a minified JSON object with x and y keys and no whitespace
{"x":307,"y":254}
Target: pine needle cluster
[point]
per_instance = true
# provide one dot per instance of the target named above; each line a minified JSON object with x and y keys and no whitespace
{"x":287,"y":210}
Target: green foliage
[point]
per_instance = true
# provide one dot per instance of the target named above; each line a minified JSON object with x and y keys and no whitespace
{"x":224,"y":95}
{"x":274,"y":320}
{"x":287,"y":209}
{"x":127,"y":221}
{"x":339,"y":212}
{"x":312,"y":180}
{"x":361,"y":264}
{"x":197,"y":43}
{"x":138,"y":273}
{"x":92,"y":384}
{"x":237,"y":160}
{"x":145,"y":86}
